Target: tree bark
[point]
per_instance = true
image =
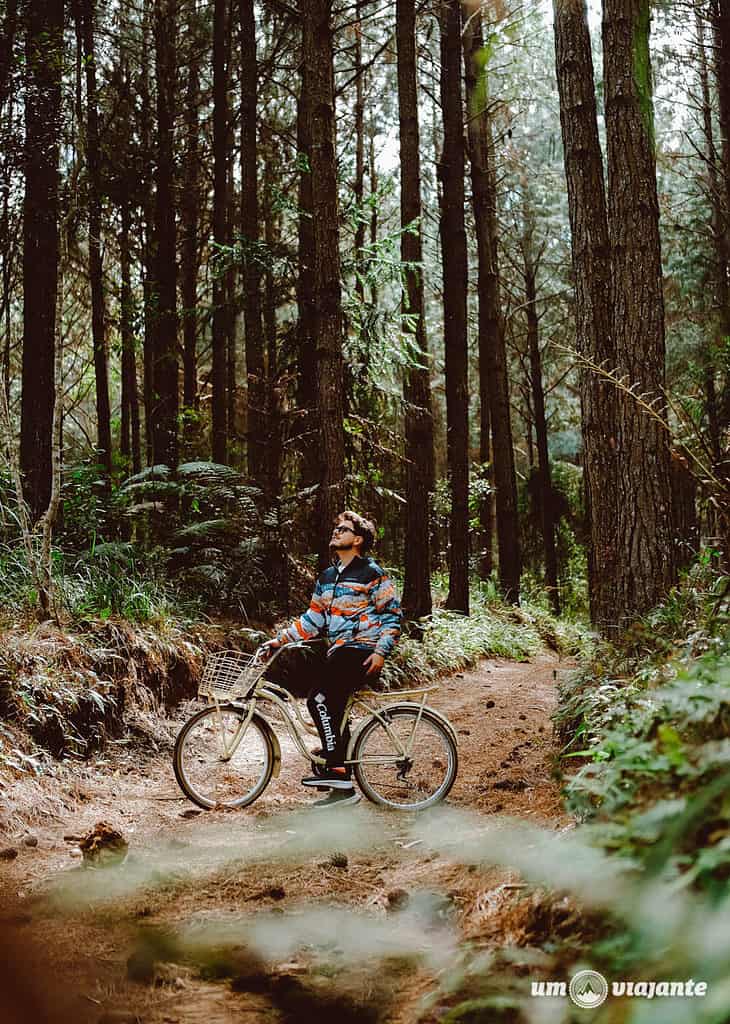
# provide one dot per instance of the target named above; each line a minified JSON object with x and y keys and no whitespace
{"x":417,"y":600}
{"x":96,"y":281}
{"x":720,"y":248}
{"x":306,"y":428}
{"x":148,"y":244}
{"x":592,"y":272}
{"x":219,"y":411}
{"x":231,"y":299}
{"x":359,"y":189}
{"x":374,"y":210}
{"x":44,"y":63}
{"x":190,"y":224}
{"x":273,"y":404}
{"x":453,"y":253}
{"x":547,"y":514}
{"x":318,"y":54}
{"x":164,"y":426}
{"x":7,"y":41}
{"x":493,"y":379}
{"x":8,"y":248}
{"x":720,"y":14}
{"x":131,"y":443}
{"x":252,"y":313}
{"x":644,"y":552}
{"x":46,"y":596}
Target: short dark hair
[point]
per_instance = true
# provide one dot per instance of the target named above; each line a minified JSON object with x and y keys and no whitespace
{"x":362,"y":528}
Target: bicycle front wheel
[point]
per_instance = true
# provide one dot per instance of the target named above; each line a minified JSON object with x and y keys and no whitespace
{"x":217,"y":764}
{"x":404,"y":762}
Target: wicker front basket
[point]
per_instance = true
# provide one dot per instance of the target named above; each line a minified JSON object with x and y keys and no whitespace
{"x":229,"y":675}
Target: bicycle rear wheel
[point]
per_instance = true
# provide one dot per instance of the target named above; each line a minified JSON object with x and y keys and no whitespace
{"x":403,"y":762}
{"x":215,"y":766}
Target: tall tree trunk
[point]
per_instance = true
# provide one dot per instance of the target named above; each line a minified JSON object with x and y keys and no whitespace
{"x":43,"y":69}
{"x":592,"y":271}
{"x":317,"y":28}
{"x":493,"y":380}
{"x":359,"y":189}
{"x":231,"y":301}
{"x":306,"y":355}
{"x":8,"y":250}
{"x":220,"y":234}
{"x":130,"y":441}
{"x":644,"y":553}
{"x":547,"y":505}
{"x":273,"y":407}
{"x":417,"y":386}
{"x":98,"y":329}
{"x":190,"y":224}
{"x":255,"y":373}
{"x":720,"y":14}
{"x":374,"y":210}
{"x":148,"y":244}
{"x":720,"y":247}
{"x":166,"y":401}
{"x":7,"y":41}
{"x":453,"y":252}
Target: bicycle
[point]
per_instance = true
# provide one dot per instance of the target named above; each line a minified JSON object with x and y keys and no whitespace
{"x":404,"y":755}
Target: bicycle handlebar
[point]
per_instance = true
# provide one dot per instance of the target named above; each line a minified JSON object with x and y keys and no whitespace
{"x":276,"y":651}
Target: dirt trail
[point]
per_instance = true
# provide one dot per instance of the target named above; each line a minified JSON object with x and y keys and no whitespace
{"x":191,"y":873}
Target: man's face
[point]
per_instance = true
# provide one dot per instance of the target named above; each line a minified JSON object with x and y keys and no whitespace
{"x":343,"y":536}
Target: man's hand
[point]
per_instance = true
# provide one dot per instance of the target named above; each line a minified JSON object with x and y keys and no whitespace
{"x":266,"y":650}
{"x":374,"y":664}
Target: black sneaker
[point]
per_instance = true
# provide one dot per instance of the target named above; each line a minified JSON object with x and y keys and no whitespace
{"x":337,"y":797}
{"x":331,"y":778}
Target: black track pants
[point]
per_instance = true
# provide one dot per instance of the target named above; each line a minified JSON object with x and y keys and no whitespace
{"x":342,"y":674}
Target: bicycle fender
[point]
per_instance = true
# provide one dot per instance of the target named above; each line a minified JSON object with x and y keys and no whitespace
{"x":428,"y":712}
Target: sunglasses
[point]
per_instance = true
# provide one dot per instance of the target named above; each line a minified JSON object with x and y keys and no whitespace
{"x":343,"y":529}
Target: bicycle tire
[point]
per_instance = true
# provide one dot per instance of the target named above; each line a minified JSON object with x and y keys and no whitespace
{"x":386,"y":779}
{"x":199,"y":767}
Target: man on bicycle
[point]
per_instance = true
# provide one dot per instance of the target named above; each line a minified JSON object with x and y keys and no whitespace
{"x":356,"y":609}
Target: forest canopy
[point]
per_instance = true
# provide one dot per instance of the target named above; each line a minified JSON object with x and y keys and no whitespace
{"x":463,"y":266}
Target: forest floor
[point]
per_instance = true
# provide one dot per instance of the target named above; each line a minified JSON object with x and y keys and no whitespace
{"x":349,"y":919}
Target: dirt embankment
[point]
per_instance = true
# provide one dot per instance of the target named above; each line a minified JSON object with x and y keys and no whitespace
{"x":267,"y":914}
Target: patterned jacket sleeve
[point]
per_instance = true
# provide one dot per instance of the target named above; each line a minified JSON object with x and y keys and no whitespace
{"x":307,"y":626}
{"x":390,"y":613}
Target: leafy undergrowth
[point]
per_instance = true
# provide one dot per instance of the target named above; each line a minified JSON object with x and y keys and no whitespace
{"x":650,"y":720}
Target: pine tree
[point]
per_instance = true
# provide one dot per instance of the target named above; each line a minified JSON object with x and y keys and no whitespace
{"x":417,"y":388}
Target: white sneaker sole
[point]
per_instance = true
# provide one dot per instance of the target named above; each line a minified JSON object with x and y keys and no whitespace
{"x":322,"y":805}
{"x":344,"y":784}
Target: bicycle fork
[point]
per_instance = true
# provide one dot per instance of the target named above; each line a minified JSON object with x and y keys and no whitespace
{"x":230,"y":750}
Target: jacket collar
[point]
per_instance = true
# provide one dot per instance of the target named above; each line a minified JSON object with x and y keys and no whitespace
{"x":356,"y":562}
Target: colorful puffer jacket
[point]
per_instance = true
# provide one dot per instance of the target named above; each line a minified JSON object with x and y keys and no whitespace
{"x":354,"y":606}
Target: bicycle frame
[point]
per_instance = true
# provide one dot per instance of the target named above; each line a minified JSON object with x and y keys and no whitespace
{"x":298,"y":728}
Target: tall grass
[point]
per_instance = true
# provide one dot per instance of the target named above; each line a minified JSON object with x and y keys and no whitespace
{"x":110,"y":579}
